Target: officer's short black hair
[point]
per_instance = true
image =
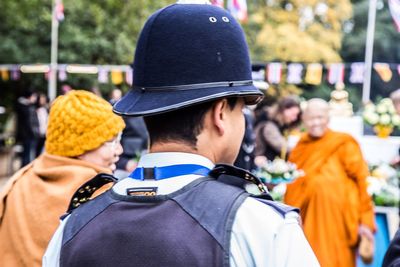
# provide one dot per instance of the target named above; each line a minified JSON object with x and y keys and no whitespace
{"x":183,"y":125}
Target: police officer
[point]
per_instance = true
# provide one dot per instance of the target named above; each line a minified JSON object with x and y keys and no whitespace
{"x":192,"y":78}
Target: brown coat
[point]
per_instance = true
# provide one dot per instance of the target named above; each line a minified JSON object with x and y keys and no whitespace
{"x":32,"y":202}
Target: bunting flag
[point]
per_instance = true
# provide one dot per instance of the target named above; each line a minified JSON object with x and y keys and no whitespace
{"x":15,"y":74}
{"x":219,"y":3}
{"x":336,"y":73}
{"x":394,"y":7}
{"x":314,"y":74}
{"x":294,"y":73}
{"x":383,"y":69}
{"x":62,"y":74}
{"x":116,"y":77}
{"x":5,"y":76}
{"x":274,"y":73}
{"x":59,"y":10}
{"x":357,"y":72}
{"x":258,"y":75}
{"x":238,"y":9}
{"x":129,"y":77}
{"x":102,"y":75}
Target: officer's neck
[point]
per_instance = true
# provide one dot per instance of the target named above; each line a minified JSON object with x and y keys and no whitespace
{"x":181,"y":147}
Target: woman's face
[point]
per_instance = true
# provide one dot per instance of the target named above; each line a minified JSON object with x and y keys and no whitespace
{"x":291,"y":115}
{"x":106,"y":155}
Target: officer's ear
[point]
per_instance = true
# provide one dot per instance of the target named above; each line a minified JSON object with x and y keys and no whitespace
{"x":219,"y":115}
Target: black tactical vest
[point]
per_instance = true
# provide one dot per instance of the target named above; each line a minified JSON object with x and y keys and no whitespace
{"x":190,"y":227}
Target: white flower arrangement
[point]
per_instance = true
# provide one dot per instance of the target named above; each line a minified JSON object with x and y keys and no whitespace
{"x":381,"y":114}
{"x":278,"y":171}
{"x":383,"y":185}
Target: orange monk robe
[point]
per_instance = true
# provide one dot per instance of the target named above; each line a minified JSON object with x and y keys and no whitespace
{"x":332,"y":196}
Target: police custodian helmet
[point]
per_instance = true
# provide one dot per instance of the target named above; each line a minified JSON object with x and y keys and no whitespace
{"x":188,"y":54}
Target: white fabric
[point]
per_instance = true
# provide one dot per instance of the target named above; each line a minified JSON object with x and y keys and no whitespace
{"x":42,"y":117}
{"x":260,"y":235}
{"x":51,"y":257}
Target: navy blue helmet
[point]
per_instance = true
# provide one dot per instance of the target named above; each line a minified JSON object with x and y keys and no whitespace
{"x":188,"y":54}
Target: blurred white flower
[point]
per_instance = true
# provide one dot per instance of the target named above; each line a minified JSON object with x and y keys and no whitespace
{"x":370,"y":107}
{"x":391,"y":109}
{"x":386,"y":101}
{"x":371,"y":118}
{"x":396,"y":120}
{"x":279,"y":166}
{"x":384,"y":119}
{"x":381,"y":108}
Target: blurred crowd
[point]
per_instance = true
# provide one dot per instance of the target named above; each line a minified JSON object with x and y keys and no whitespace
{"x":266,"y":136}
{"x":286,"y":129}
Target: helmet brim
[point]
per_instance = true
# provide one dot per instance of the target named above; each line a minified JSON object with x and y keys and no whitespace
{"x":139,"y":103}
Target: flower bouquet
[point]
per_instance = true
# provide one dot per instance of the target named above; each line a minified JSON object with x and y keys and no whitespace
{"x":382,"y":117}
{"x":278,"y":171}
{"x":383,"y":185}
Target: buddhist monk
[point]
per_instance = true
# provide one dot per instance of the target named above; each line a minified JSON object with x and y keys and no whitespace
{"x":332,"y":196}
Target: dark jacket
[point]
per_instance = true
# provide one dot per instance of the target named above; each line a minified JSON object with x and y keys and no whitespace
{"x":392,"y":256}
{"x":27,"y":120}
{"x":134,"y":140}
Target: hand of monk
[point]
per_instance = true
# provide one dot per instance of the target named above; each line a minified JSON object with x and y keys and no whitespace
{"x":364,"y":230}
{"x":366,"y":248}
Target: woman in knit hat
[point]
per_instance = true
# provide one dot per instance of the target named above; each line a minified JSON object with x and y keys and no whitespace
{"x":82,"y":140}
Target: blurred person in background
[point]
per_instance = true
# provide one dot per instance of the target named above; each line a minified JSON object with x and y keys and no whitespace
{"x":337,"y":212}
{"x":115,"y":95}
{"x":82,"y":141}
{"x":27,"y":125}
{"x":245,"y":159}
{"x":42,"y":111}
{"x":395,"y":97}
{"x":134,"y":140}
{"x":271,"y":132}
{"x":65,"y":88}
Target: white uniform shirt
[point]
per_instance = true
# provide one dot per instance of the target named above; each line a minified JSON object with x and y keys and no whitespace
{"x":260,"y":235}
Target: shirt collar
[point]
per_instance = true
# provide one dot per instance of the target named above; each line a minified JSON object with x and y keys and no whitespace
{"x":161,"y":159}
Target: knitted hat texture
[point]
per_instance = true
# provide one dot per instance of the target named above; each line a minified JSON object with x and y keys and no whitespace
{"x":79,"y":122}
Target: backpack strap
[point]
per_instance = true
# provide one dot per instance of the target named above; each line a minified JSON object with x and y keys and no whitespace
{"x":83,"y":194}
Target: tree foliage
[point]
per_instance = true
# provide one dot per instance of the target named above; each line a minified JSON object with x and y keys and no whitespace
{"x":93,"y":32}
{"x":106,"y":31}
{"x":306,"y":31}
{"x":297,"y":30}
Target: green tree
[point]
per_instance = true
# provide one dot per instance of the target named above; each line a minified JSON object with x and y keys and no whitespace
{"x":93,"y":32}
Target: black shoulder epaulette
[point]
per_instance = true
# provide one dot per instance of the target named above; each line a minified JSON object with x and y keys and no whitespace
{"x":84,"y":192}
{"x":227,"y":174}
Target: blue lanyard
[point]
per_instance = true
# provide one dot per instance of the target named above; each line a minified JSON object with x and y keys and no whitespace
{"x":166,"y":172}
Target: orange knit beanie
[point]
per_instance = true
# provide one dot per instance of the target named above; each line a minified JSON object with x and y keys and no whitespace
{"x":79,"y":122}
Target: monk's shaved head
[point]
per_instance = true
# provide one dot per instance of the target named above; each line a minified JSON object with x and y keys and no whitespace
{"x":317,"y":104}
{"x":316,"y":117}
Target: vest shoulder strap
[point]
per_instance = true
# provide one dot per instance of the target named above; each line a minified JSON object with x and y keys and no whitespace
{"x":85,"y":191}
